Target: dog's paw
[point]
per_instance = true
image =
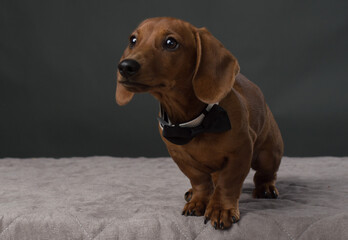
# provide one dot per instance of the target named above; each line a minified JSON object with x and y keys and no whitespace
{"x":221,"y":218}
{"x":194,"y":208}
{"x":188,"y":195}
{"x":266,"y":191}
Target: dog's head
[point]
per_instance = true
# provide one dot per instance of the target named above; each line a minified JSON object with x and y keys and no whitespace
{"x":167,"y":53}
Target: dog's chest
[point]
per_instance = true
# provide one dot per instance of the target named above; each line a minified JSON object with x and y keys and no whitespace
{"x":203,"y":157}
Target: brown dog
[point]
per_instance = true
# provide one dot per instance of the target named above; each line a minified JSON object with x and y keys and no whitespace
{"x":186,"y":69}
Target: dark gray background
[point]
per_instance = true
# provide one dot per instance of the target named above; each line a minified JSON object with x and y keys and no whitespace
{"x":58,"y":68}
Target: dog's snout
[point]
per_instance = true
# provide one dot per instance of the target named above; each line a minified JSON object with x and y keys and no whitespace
{"x":128,"y":67}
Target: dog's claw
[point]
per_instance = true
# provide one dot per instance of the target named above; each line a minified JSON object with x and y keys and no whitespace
{"x":183,"y":212}
{"x":274,"y":194}
{"x":267,"y":195}
{"x":206,"y":220}
{"x":188,"y":195}
{"x":222,"y":225}
{"x":234,"y":220}
{"x":193,"y":213}
{"x":215,"y":225}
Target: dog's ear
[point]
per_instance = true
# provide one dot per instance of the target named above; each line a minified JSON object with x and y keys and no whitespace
{"x":123,"y":96}
{"x":216,"y":68}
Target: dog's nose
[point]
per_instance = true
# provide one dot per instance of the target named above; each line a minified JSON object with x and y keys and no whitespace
{"x":128,"y":67}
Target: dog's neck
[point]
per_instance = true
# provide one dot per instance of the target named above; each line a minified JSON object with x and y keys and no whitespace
{"x":180,"y":105}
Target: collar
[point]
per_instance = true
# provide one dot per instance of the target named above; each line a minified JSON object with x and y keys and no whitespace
{"x":165,"y":121}
{"x":213,"y":119}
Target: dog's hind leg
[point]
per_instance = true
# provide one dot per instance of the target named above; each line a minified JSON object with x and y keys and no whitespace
{"x":265,"y":176}
{"x":266,"y":164}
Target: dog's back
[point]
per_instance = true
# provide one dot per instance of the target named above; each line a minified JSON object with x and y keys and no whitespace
{"x":264,"y":128}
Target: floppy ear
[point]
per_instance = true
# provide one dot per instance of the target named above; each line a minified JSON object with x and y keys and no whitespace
{"x":123,"y":96}
{"x":216,"y":68}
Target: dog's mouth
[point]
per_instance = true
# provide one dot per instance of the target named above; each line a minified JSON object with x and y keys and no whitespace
{"x":133,"y":86}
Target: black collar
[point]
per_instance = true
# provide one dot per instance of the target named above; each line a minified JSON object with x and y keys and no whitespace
{"x":213,"y":119}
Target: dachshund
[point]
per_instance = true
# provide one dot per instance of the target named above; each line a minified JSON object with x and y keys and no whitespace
{"x":215,"y":122}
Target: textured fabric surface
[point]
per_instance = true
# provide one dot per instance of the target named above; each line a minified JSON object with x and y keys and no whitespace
{"x":142,"y":198}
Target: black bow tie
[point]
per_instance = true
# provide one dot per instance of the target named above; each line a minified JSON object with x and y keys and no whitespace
{"x":215,"y":121}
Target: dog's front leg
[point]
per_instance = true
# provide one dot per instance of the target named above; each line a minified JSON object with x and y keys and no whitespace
{"x":201,"y":182}
{"x":223,"y":209}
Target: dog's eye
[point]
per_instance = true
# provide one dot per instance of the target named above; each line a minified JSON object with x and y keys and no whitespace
{"x":170,"y":44}
{"x":132,"y":41}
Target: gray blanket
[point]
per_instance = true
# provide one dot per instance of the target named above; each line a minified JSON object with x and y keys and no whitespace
{"x":142,"y":198}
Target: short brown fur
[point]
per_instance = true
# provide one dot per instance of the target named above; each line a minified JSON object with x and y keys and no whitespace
{"x":199,"y":72}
